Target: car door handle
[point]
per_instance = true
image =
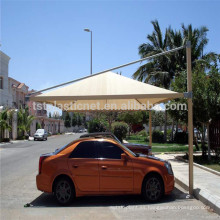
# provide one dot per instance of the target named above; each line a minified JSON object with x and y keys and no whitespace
{"x":75,"y":166}
{"x":104,"y":167}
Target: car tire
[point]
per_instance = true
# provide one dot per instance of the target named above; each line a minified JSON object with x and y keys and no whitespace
{"x":153,"y":188}
{"x":64,"y":191}
{"x":46,"y":138}
{"x":34,"y":139}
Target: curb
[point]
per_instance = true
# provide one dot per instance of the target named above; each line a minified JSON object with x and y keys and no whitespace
{"x":203,"y":195}
{"x":200,"y":166}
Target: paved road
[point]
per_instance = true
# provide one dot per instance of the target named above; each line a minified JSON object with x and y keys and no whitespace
{"x":19,"y":166}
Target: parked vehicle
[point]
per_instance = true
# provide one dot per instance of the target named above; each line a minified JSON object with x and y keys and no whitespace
{"x":40,"y":134}
{"x":136,"y":148}
{"x":82,"y":130}
{"x":102,"y":166}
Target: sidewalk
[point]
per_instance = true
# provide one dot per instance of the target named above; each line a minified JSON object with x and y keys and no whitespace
{"x":12,"y":142}
{"x":206,"y":184}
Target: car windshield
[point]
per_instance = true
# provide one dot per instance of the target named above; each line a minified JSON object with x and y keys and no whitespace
{"x":127,"y":149}
{"x":131,"y":152}
{"x":40,"y":131}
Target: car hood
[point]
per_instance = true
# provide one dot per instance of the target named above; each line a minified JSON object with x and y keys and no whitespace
{"x":136,"y":145}
{"x":151,"y":157}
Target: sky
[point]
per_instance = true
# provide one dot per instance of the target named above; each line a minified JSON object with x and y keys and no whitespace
{"x":48,"y":45}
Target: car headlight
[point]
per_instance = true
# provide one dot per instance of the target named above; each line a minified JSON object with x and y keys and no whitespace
{"x":169,"y":167}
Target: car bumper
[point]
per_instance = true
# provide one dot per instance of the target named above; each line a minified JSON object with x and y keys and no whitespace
{"x":38,"y":137}
{"x":169,"y":184}
{"x":42,"y":183}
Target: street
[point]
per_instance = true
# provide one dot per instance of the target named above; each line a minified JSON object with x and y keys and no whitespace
{"x":19,"y":167}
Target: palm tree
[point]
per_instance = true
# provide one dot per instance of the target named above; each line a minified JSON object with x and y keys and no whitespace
{"x":161,"y":71}
{"x":24,"y":121}
{"x":157,"y":71}
{"x":4,"y":124}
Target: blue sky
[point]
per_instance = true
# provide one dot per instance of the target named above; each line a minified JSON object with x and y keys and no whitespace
{"x":47,"y":44}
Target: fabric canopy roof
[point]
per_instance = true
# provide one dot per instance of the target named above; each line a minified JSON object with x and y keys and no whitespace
{"x":106,"y":91}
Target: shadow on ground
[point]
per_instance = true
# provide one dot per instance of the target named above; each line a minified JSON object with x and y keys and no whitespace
{"x":48,"y":200}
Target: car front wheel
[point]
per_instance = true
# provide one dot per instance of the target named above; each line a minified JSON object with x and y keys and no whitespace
{"x":64,"y":191}
{"x":153,"y":188}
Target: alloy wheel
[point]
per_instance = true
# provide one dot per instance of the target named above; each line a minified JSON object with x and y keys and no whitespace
{"x":153,"y":189}
{"x":63,"y":191}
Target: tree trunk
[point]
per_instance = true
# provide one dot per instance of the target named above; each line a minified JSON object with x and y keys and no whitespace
{"x":129,"y":129}
{"x":165,"y":126}
{"x":209,"y":151}
{"x":109,"y":124}
{"x":176,"y":126}
{"x":195,"y":141}
{"x":172,"y":130}
{"x":203,"y":141}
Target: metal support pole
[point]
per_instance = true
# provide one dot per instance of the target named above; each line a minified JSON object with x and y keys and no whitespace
{"x":91,"y":54}
{"x":190,"y":115}
{"x":150,"y":129}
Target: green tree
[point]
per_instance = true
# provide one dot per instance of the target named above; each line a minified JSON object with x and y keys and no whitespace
{"x":177,"y":38}
{"x":206,"y":93}
{"x":79,"y":120}
{"x":38,"y":126}
{"x":132,"y":118}
{"x":74,"y":120}
{"x":97,"y":125}
{"x":162,"y":70}
{"x":24,"y":121}
{"x":67,"y":120}
{"x":158,"y":71}
{"x":4,"y":122}
{"x":120,"y":130}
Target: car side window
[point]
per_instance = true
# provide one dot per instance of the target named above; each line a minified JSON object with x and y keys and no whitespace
{"x":86,"y":149}
{"x":109,"y":150}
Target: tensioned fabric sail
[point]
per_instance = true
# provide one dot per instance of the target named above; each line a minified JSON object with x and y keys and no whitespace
{"x":107,"y":91}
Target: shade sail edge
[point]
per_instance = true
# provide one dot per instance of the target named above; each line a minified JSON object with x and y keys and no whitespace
{"x":106,"y":97}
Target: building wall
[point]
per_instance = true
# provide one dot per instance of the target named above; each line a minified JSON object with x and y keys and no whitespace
{"x":51,"y":125}
{"x":13,"y":93}
{"x":18,"y":91}
{"x":13,"y":96}
{"x":5,"y":96}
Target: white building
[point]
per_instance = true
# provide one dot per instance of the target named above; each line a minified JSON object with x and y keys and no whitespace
{"x":12,"y":96}
{"x":12,"y":92}
{"x":5,"y":96}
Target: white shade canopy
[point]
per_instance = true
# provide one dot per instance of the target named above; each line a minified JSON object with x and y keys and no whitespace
{"x":106,"y":91}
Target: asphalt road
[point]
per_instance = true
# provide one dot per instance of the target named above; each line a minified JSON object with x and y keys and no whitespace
{"x":19,"y":167}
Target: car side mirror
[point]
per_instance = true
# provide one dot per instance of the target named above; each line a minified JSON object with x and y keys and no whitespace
{"x":124,"y":156}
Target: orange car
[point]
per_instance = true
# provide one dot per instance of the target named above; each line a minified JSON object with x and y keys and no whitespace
{"x":92,"y":166}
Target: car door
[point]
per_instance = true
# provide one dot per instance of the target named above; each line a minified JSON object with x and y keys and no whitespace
{"x":83,"y":164}
{"x":116,"y":174}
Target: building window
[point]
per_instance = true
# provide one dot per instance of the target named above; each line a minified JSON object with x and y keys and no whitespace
{"x":1,"y":82}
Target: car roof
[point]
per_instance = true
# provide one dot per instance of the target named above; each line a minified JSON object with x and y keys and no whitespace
{"x":96,"y":134}
{"x":40,"y":129}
